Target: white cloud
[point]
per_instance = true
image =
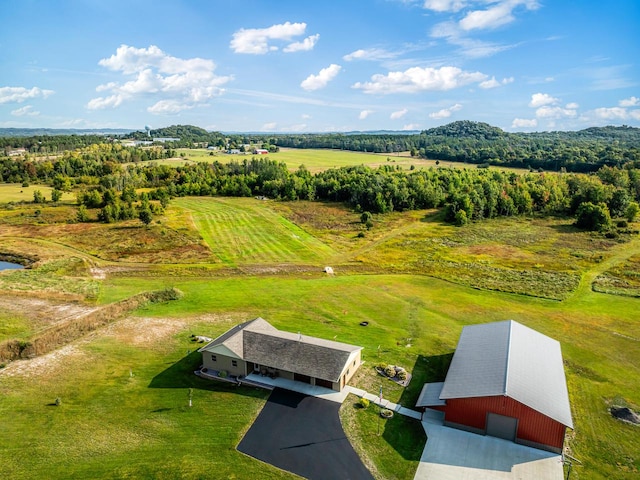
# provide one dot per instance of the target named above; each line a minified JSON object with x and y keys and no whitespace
{"x":269,"y":127}
{"x":398,"y":114}
{"x":316,"y":82}
{"x":495,"y":16}
{"x":540,"y":99}
{"x":21,"y":94}
{"x":305,"y":116}
{"x":411,"y":126}
{"x":445,"y":112}
{"x":369,"y":54}
{"x":168,"y":107}
{"x":630,"y":102}
{"x":303,"y":46}
{"x":555,"y":112}
{"x":417,"y":79}
{"x":493,"y":83}
{"x":26,"y":110}
{"x":524,"y":123}
{"x":572,"y":105}
{"x":182,"y":82}
{"x":256,"y":40}
{"x":444,"y":5}
{"x":364,"y":114}
{"x":611,"y":113}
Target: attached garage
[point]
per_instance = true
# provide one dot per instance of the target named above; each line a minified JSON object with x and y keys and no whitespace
{"x":505,"y":380}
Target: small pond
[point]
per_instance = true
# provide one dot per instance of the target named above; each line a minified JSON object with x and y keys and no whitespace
{"x":9,"y":266}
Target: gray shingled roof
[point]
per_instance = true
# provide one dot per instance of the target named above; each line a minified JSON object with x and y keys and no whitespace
{"x":430,"y":395}
{"x":259,"y":342}
{"x":507,"y":358}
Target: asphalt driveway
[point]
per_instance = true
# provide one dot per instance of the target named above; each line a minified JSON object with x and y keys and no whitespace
{"x":303,"y":435}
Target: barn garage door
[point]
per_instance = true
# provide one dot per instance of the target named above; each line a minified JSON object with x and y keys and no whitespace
{"x":501,"y":426}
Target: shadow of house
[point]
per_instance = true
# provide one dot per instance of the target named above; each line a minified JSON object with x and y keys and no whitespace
{"x":406,"y":435}
{"x":181,"y":375}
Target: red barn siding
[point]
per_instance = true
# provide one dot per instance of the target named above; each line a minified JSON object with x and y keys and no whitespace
{"x":533,"y":426}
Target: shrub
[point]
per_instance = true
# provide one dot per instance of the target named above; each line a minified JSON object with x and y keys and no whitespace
{"x":223,"y":374}
{"x":390,"y":371}
{"x":622,"y":224}
{"x":386,"y":413}
{"x":364,"y":403}
{"x":58,"y":401}
{"x":593,"y":217}
{"x":402,"y":375}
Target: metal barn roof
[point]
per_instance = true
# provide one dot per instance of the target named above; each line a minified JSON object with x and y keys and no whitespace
{"x":507,"y":358}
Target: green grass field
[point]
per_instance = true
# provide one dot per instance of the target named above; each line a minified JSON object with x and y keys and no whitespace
{"x":316,"y":160}
{"x":124,"y":388}
{"x":15,"y":192}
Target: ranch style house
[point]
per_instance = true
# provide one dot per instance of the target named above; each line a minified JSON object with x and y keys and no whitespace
{"x":257,"y":347}
{"x":508,"y":381}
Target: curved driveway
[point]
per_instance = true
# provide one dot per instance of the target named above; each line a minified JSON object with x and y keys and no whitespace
{"x":303,"y":434}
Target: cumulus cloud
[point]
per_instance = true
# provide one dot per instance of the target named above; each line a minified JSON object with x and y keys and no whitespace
{"x":630,"y":102}
{"x":524,"y":123}
{"x":303,"y":46}
{"x":445,"y":112}
{"x":616,"y":113}
{"x":369,"y":54}
{"x":495,"y":16}
{"x":21,"y":94}
{"x":168,"y":107}
{"x":256,"y":41}
{"x":444,"y":5}
{"x":269,"y":127}
{"x":417,"y":79}
{"x":25,"y":111}
{"x":540,"y":99}
{"x":364,"y":114}
{"x":182,"y":82}
{"x":411,"y":126}
{"x":548,"y":111}
{"x":572,"y":105}
{"x":316,"y":82}
{"x":398,"y":114}
{"x":493,"y":83}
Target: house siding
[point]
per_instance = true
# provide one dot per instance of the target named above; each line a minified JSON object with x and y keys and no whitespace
{"x":224,"y":363}
{"x":534,"y":428}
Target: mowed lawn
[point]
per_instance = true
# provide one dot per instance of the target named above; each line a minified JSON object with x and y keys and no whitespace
{"x":246,"y":231}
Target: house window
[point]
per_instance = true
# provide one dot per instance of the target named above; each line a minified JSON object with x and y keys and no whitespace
{"x":347,"y":371}
{"x":354,"y":363}
{"x":214,"y":358}
{"x":234,"y":363}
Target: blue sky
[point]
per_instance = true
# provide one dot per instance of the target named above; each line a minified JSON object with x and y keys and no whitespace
{"x":302,"y":66}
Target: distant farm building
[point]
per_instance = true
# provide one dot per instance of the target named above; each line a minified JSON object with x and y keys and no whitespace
{"x":165,"y":139}
{"x":505,"y":380}
{"x":233,"y":151}
{"x":259,"y":349}
{"x":16,"y":152}
{"x":260,"y":151}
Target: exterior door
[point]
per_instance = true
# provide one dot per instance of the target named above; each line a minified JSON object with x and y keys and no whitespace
{"x":298,"y":377}
{"x":501,"y":426}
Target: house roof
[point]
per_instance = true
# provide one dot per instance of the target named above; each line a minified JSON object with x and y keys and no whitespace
{"x":260,"y":342}
{"x":507,"y":358}
{"x":430,"y":395}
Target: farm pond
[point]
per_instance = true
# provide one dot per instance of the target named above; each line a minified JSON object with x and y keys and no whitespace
{"x":9,"y":266}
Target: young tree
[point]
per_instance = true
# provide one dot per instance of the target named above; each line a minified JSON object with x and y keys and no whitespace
{"x":593,"y":217}
{"x":38,"y":197}
{"x":633,"y":209}
{"x":56,"y":195}
{"x":81,"y":214}
{"x":144,"y":213}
